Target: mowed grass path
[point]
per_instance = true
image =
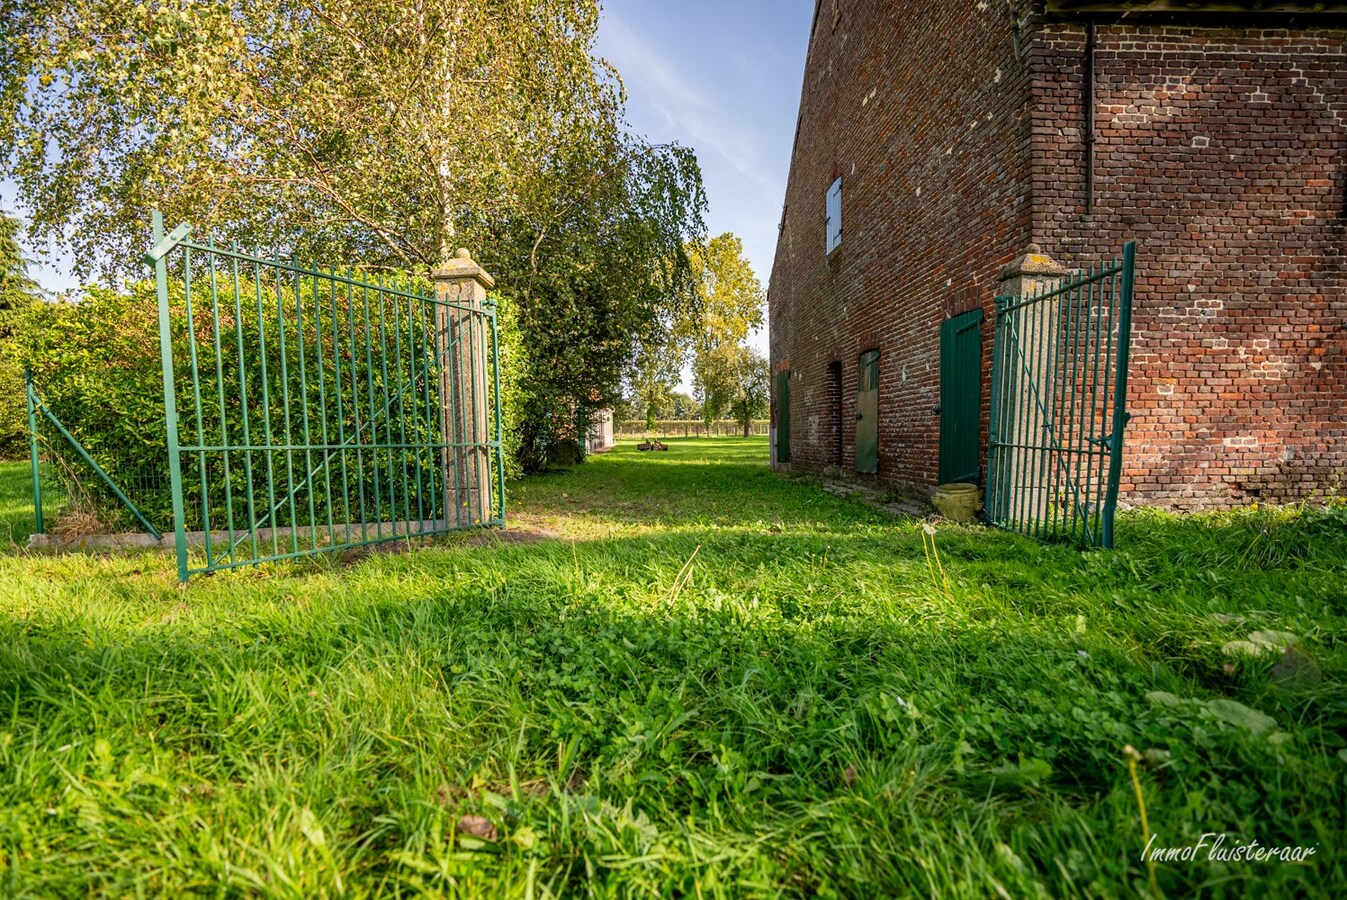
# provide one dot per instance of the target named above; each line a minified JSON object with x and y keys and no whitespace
{"x":695,"y":677}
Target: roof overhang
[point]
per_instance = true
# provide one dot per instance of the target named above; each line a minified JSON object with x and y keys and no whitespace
{"x":1264,"y":8}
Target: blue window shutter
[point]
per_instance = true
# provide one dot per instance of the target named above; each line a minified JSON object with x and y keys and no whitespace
{"x":834,"y":209}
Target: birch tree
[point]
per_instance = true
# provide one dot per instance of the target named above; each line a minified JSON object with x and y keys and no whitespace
{"x":377,"y":133}
{"x":371,"y":130}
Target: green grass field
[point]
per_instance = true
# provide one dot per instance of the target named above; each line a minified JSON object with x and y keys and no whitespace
{"x":691,"y":676}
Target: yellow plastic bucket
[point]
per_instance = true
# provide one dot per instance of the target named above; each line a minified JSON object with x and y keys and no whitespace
{"x":957,"y":502}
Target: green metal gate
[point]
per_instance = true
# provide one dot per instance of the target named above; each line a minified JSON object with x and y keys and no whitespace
{"x":311,"y":410}
{"x":960,"y":397}
{"x":1059,"y":398}
{"x":867,"y":413}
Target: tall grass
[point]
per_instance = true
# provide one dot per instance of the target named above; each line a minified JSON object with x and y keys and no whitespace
{"x":701,"y":679}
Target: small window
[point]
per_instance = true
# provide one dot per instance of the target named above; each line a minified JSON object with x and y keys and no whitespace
{"x":834,"y":208}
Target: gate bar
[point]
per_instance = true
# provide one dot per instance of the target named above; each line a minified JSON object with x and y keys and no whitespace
{"x":162,"y":246}
{"x":33,"y":451}
{"x":98,"y":470}
{"x":1120,"y":413}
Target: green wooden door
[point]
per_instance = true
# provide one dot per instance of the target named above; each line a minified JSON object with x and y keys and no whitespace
{"x":960,"y":397}
{"x":867,"y":413}
{"x":783,"y":417}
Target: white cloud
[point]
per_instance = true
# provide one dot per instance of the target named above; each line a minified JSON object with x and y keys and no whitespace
{"x":688,"y":112}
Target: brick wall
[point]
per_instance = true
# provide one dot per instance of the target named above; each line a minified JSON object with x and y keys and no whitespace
{"x":958,"y":130}
{"x":921,"y":109}
{"x":1224,"y":154}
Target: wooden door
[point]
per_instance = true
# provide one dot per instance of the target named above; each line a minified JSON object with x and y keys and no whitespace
{"x":867,"y":413}
{"x":960,"y":397}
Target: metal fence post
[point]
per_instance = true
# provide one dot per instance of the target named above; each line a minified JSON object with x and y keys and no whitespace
{"x":498,"y":433}
{"x":1120,"y":413}
{"x":162,"y":245}
{"x":461,"y":330}
{"x":33,"y":451}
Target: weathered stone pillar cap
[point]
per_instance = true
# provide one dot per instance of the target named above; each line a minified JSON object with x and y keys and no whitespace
{"x":460,"y":268}
{"x":1032,"y":262}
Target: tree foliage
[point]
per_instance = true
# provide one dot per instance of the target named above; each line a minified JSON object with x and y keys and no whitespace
{"x":364,"y":130}
{"x":17,"y":293}
{"x":752,"y":393}
{"x":733,"y":378}
{"x":653,"y":378}
{"x":730,"y":297}
{"x":730,"y":306}
{"x":17,"y":290}
{"x":369,"y":132}
{"x":96,"y":366}
{"x":727,"y":306}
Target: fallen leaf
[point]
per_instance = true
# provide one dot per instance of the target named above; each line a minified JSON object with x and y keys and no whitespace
{"x":1273,"y":640}
{"x":1296,"y":669}
{"x":309,"y":827}
{"x":1238,"y":714}
{"x":477,"y":826}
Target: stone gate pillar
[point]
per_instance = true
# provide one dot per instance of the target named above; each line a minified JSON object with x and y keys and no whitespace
{"x":1026,"y":496}
{"x":465,"y":389}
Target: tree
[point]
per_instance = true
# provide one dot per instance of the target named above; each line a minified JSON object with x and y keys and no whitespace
{"x":713,"y":378}
{"x":366,"y":130}
{"x":369,"y":132}
{"x":734,"y":379}
{"x":726,"y":305}
{"x":730,"y":297}
{"x":752,"y":393}
{"x":17,"y":291}
{"x":683,"y":406}
{"x":16,"y":288}
{"x":651,"y":384}
{"x":730,"y":300}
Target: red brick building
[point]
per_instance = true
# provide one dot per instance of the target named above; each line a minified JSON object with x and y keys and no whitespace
{"x":937,"y":142}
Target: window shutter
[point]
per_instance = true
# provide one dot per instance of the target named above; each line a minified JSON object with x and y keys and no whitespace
{"x":834,"y":209}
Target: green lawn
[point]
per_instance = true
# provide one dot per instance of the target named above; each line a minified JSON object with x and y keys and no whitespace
{"x":695,"y":677}
{"x":16,"y":504}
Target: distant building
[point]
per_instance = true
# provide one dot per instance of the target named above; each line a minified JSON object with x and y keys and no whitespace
{"x":938,"y":142}
{"x":600,"y":436}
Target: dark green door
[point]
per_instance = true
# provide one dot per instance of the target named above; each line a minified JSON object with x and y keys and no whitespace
{"x":783,"y":417}
{"x":867,"y":413}
{"x":960,"y":397}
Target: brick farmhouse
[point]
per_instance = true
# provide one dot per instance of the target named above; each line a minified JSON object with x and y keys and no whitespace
{"x":940,"y":143}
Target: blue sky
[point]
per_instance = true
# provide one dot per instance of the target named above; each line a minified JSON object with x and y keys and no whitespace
{"x":721,"y":77}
